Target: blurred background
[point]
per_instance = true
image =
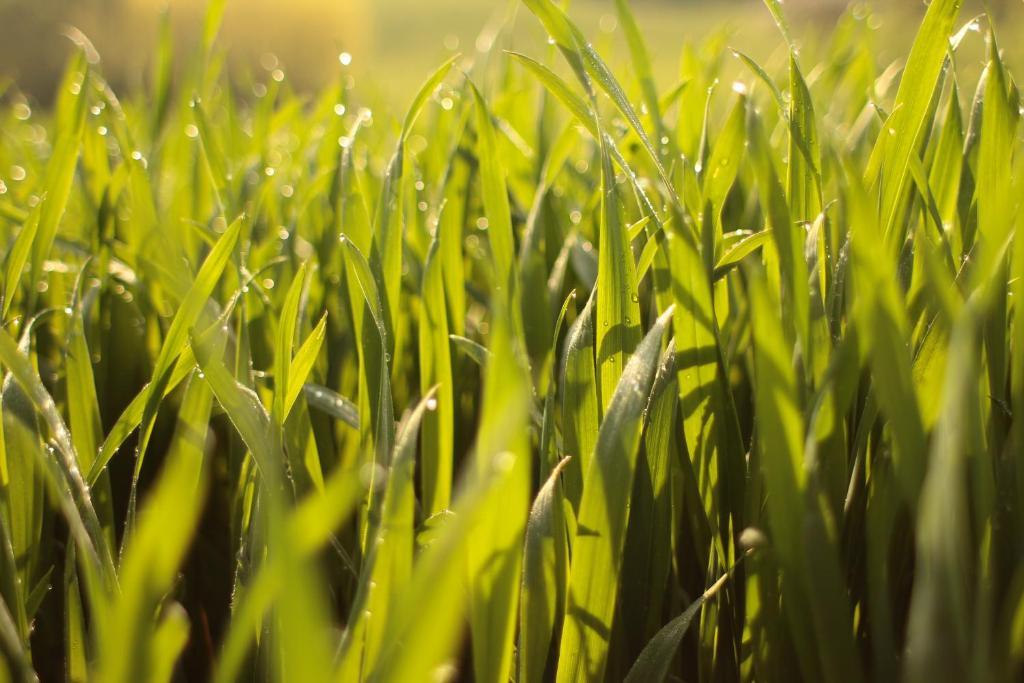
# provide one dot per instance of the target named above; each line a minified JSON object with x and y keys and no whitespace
{"x":394,"y":43}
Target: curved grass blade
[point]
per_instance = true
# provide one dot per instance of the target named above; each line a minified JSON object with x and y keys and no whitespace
{"x":62,"y":471}
{"x":652,"y":666}
{"x":438,"y":439}
{"x":618,"y":311}
{"x":580,"y":400}
{"x":332,"y":403}
{"x":302,"y":364}
{"x":604,"y":515}
{"x":913,"y":105}
{"x":545,"y":568}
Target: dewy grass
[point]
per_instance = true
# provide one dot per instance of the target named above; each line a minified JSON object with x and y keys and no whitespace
{"x":565,"y":374}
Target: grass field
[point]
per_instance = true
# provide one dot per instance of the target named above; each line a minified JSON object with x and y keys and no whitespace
{"x":593,"y":363}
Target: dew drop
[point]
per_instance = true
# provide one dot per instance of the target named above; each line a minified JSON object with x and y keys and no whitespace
{"x":432,"y":404}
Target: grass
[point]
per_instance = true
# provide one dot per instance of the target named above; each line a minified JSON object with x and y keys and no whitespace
{"x":566,"y":373}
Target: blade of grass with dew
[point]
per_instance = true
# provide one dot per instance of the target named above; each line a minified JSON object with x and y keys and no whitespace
{"x":388,"y":565}
{"x":24,"y":496}
{"x":285,"y":338}
{"x":17,"y":257}
{"x":494,"y":193}
{"x":738,"y":251}
{"x":582,"y":113}
{"x":579,"y":400}
{"x":188,"y":313}
{"x":780,"y":444}
{"x":302,"y":364}
{"x":60,"y":468}
{"x":617,"y":314}
{"x":60,"y":170}
{"x":423,"y":635}
{"x":882,"y":327}
{"x":710,"y":424}
{"x":652,"y":666}
{"x":495,"y":556}
{"x":940,"y":621}
{"x":311,"y":523}
{"x":587,"y":64}
{"x":437,"y":433}
{"x":152,"y":557}
{"x":298,"y":624}
{"x":904,"y":134}
{"x":641,"y":66}
{"x":545,"y":567}
{"x":604,"y":515}
{"x":378,"y":434}
{"x":789,"y":239}
{"x":386,"y":254}
{"x":332,"y":403}
{"x":648,"y":550}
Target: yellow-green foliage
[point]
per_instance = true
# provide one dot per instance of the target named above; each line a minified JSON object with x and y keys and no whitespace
{"x":563,"y":374}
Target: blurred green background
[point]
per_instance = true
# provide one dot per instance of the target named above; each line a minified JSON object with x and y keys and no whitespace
{"x":394,"y":43}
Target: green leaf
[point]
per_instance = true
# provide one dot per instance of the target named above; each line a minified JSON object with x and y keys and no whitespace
{"x":494,"y":193}
{"x":332,"y":403}
{"x":185,"y":318}
{"x":545,"y":567}
{"x":654,"y":661}
{"x":286,"y":326}
{"x":604,"y":515}
{"x":302,"y":364}
{"x":496,"y":555}
{"x":579,"y":399}
{"x":438,"y":438}
{"x":618,"y":311}
{"x":903,"y":134}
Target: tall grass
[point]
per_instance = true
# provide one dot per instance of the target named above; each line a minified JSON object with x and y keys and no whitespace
{"x":566,"y":375}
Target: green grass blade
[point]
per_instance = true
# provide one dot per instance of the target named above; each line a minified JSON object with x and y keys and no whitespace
{"x":438,"y":438}
{"x":545,"y":567}
{"x":603,"y":517}
{"x":617,"y":317}
{"x":902,"y":136}
{"x":653,"y":663}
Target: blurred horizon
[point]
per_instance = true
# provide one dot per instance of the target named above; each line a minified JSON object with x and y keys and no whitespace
{"x":392,"y":44}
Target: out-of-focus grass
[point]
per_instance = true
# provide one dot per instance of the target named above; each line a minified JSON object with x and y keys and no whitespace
{"x":716,"y":375}
{"x":304,"y":37}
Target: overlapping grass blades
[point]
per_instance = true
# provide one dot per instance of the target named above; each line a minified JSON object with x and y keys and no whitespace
{"x":561,"y":374}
